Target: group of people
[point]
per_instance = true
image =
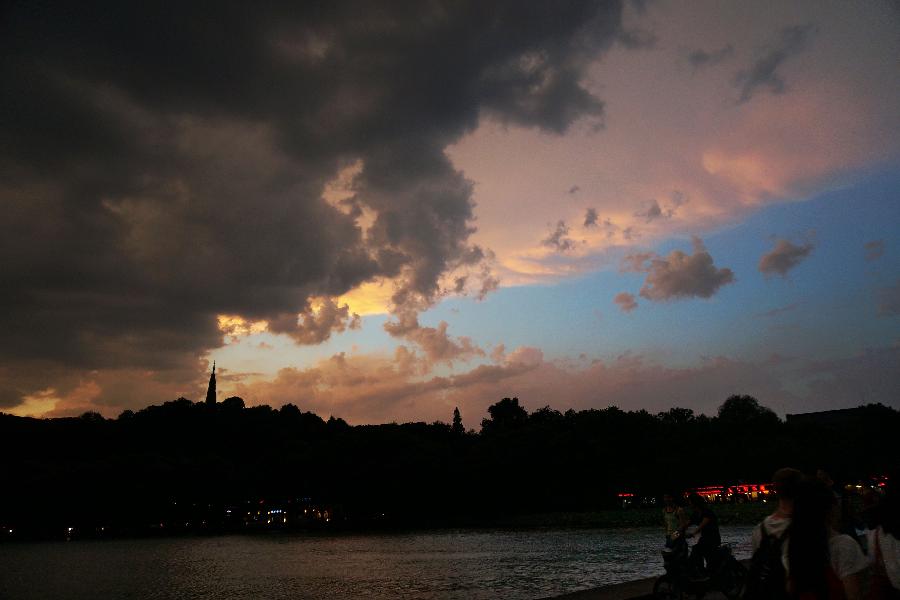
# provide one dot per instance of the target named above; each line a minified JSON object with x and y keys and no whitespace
{"x":806,"y":549}
{"x":699,"y":521}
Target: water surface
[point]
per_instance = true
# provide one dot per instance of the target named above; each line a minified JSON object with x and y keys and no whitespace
{"x":446,"y":564}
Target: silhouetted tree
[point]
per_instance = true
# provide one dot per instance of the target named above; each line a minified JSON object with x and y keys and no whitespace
{"x":337,"y":423}
{"x":545,"y":415}
{"x":236,"y":403}
{"x":505,"y":415}
{"x":744,"y":410}
{"x":677,"y":415}
{"x":457,"y":427}
{"x":127,"y":472}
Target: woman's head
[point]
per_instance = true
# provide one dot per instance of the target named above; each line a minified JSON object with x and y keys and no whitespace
{"x":786,"y":481}
{"x":813,"y":502}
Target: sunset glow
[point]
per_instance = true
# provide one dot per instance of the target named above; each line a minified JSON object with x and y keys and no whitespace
{"x":648,"y":205}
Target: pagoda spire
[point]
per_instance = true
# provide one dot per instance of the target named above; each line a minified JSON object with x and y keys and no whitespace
{"x":211,"y":390}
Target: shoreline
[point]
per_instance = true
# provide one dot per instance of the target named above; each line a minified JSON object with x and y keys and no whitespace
{"x":612,"y":519}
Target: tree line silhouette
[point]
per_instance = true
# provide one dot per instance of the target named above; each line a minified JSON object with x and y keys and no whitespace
{"x":186,"y":461}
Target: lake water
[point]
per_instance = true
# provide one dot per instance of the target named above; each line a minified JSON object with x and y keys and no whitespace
{"x":446,"y":564}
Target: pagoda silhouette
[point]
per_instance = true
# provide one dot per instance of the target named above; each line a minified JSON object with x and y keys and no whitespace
{"x":211,"y":390}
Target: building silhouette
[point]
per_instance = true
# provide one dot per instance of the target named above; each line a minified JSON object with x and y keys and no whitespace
{"x":211,"y":390}
{"x":843,"y":417}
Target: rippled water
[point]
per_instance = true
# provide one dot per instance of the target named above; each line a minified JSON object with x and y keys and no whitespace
{"x":457,"y":564}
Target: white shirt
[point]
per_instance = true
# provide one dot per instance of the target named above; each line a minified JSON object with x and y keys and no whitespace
{"x":773,"y":525}
{"x":890,"y":550}
{"x":847,"y":557}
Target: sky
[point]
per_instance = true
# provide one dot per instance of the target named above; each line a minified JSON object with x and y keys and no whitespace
{"x":384,"y":211}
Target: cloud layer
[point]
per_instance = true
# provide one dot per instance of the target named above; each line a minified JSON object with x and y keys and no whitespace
{"x":382,"y":388}
{"x":171,"y":184}
{"x":161,"y":170}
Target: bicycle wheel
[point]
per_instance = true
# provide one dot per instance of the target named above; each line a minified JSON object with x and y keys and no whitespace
{"x":666,"y":589}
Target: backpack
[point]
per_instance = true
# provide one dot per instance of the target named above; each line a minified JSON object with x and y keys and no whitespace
{"x":767,"y":578}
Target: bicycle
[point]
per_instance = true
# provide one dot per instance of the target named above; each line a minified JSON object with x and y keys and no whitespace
{"x":682,"y":579}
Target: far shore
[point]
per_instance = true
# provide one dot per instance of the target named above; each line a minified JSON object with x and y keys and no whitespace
{"x":748,"y":513}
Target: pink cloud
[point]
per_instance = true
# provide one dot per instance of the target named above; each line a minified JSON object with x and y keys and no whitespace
{"x":625,"y":301}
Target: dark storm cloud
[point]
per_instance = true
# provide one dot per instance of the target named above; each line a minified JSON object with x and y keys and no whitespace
{"x":314,"y":327}
{"x":641,"y":6}
{"x":701,"y":58}
{"x":637,"y":39}
{"x":763,"y":73}
{"x":165,"y":165}
{"x":10,"y":396}
{"x":591,"y":217}
{"x":783,"y":257}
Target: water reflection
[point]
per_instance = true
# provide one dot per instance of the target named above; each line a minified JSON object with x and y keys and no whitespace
{"x":461,"y":564}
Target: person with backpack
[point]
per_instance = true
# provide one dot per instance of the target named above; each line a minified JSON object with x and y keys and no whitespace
{"x":766,"y":579}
